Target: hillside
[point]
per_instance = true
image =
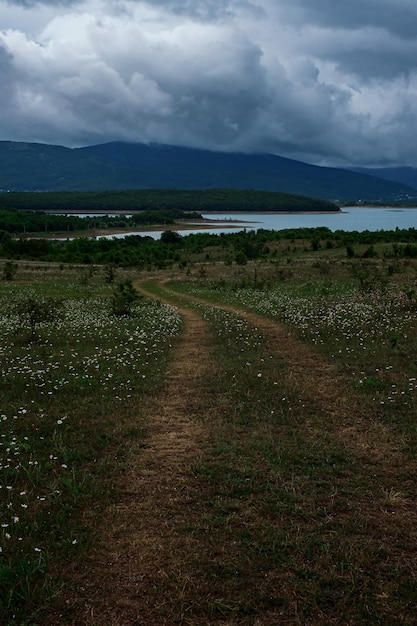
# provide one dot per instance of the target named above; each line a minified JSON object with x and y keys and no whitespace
{"x":404,"y":175}
{"x":117,"y":166}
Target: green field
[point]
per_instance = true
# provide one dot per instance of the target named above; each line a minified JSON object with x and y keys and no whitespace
{"x":236,"y":445}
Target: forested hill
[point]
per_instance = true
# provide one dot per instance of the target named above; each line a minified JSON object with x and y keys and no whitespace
{"x":199,"y":201}
{"x":118,"y":165}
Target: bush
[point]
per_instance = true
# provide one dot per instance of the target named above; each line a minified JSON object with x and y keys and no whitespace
{"x":124,"y":297}
{"x":34,"y":311}
{"x":170,"y":236}
{"x":9,"y":270}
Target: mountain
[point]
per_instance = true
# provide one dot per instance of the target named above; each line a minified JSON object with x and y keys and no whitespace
{"x":404,"y":175}
{"x":117,"y":165}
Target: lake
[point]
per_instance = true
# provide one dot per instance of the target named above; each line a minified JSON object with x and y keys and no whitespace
{"x":350,"y":218}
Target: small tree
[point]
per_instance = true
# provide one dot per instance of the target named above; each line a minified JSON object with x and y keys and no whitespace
{"x":9,"y":270}
{"x":34,"y":311}
{"x":170,"y":236}
{"x":110,"y":273}
{"x":5,"y":238}
{"x":369,"y":277}
{"x":124,"y":297}
{"x":241,"y":258}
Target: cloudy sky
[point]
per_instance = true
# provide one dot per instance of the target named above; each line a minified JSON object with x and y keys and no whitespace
{"x":330,"y":82}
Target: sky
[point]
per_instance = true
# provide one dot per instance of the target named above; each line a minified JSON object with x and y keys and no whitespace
{"x":328,"y":82}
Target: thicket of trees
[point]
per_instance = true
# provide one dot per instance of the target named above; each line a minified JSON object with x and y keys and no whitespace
{"x":22,"y":221}
{"x":172,"y":248}
{"x":199,"y":200}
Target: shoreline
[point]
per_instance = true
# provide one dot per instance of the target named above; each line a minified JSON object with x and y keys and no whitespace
{"x":180,"y":226}
{"x":140,"y":231}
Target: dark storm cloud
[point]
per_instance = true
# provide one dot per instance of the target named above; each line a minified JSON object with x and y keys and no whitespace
{"x":296,"y":78}
{"x":398,"y":17}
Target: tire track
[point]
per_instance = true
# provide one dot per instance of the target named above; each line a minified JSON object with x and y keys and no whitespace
{"x":140,"y":567}
{"x":325,"y":387}
{"x":139,"y":535}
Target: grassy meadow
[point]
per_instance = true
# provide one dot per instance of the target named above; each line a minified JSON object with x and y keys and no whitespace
{"x":304,"y":494}
{"x":67,"y":399}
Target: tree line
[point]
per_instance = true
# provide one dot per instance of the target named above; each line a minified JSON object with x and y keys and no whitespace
{"x":197,"y":200}
{"x":19,"y":221}
{"x":172,"y":247}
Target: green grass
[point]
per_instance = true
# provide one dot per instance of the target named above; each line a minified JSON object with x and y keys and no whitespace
{"x":287,"y":504}
{"x":279,"y":482}
{"x":293,"y":518}
{"x":289,"y":501}
{"x":68,"y":397}
{"x":371,"y":334}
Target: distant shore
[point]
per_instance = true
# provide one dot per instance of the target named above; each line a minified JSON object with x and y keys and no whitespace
{"x":202,"y":224}
{"x":180,"y":225}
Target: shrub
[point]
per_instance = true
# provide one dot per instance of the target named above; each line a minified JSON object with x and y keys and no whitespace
{"x":34,"y":311}
{"x":124,"y":297}
{"x":9,"y":270}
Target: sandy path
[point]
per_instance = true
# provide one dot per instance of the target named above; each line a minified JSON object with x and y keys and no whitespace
{"x":131,"y":561}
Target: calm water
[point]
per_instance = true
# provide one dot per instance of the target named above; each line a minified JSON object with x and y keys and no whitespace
{"x":349,"y":219}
